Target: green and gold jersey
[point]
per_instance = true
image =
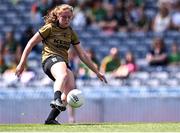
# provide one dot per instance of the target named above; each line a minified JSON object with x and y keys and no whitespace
{"x":57,"y":40}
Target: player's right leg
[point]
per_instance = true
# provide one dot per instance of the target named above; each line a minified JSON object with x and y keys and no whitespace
{"x":59,"y":72}
{"x":56,"y":68}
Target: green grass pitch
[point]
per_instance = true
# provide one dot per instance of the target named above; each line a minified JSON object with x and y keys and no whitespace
{"x":94,"y":127}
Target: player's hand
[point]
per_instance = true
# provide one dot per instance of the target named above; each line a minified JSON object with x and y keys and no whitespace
{"x":101,"y":77}
{"x":19,"y":70}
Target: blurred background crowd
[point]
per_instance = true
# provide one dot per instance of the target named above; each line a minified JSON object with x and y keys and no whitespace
{"x":134,"y":42}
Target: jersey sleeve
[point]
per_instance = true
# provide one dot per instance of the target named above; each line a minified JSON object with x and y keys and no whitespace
{"x":45,"y":31}
{"x":75,"y":39}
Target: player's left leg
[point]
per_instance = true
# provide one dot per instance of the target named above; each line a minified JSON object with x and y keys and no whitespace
{"x":71,"y":114}
{"x":68,"y":87}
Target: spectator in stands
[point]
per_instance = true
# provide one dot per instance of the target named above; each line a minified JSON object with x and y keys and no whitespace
{"x":57,"y":37}
{"x":43,"y":7}
{"x":111,"y":62}
{"x":28,"y":33}
{"x":11,"y":49}
{"x":128,"y":67}
{"x":80,"y":19}
{"x":109,"y":23}
{"x":167,"y":3}
{"x":98,"y":12}
{"x":130,"y":62}
{"x":133,"y":14}
{"x":55,"y":3}
{"x":141,"y":22}
{"x":176,"y":17}
{"x":15,"y":2}
{"x":174,"y":56}
{"x":93,"y":57}
{"x":8,"y":61}
{"x":35,"y":16}
{"x":157,"y":55}
{"x":73,"y":3}
{"x":3,"y":66}
{"x":84,"y":72}
{"x":162,"y":21}
{"x":121,"y":16}
{"x":9,"y":75}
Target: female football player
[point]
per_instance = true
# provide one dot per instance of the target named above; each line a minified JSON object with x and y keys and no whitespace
{"x":56,"y":36}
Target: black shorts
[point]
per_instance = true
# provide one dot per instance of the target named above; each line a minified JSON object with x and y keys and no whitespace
{"x":49,"y":62}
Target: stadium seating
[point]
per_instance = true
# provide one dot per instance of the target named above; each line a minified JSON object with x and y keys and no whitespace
{"x":17,"y":18}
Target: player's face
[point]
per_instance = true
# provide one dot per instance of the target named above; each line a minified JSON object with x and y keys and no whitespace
{"x":65,"y":18}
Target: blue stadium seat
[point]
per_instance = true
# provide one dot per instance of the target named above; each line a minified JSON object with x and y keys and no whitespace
{"x":162,"y":75}
{"x":142,"y":75}
{"x":133,"y":82}
{"x":122,"y":35}
{"x":172,"y":34}
{"x":152,"y":83}
{"x":173,"y":82}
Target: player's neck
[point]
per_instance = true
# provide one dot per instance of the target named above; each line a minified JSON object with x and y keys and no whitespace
{"x":60,"y":26}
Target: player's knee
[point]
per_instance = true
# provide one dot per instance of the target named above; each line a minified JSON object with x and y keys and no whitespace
{"x":62,"y":77}
{"x":68,"y":88}
{"x":71,"y":87}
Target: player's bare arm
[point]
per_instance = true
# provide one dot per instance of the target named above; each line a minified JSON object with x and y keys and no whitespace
{"x":32,"y":42}
{"x":88,"y":62}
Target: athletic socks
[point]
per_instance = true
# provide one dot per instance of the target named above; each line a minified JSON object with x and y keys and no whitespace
{"x":53,"y":114}
{"x":57,"y":95}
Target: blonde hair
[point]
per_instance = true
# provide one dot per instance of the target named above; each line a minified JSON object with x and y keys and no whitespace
{"x":52,"y":16}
